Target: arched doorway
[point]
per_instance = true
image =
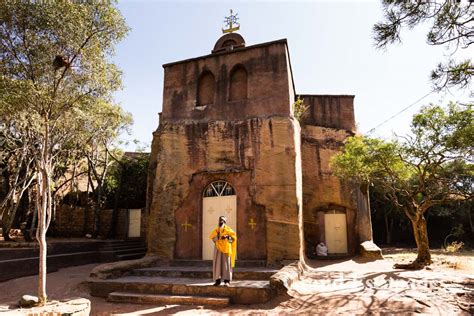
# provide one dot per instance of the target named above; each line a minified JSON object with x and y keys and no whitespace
{"x":218,"y":199}
{"x":335,"y":229}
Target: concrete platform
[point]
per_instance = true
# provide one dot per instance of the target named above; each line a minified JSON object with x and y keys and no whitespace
{"x":245,"y":273}
{"x":124,"y":297}
{"x":239,"y":291}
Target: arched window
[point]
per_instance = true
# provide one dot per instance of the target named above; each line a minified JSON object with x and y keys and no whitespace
{"x":219,"y":188}
{"x":238,"y":84}
{"x":206,"y":89}
{"x":229,"y":43}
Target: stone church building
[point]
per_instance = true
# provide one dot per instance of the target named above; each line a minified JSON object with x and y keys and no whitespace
{"x":228,"y":144}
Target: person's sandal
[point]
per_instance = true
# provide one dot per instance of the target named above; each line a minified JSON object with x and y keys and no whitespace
{"x":218,"y":282}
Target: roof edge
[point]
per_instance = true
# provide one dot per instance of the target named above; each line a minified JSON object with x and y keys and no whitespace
{"x":327,"y":95}
{"x":282,"y":41}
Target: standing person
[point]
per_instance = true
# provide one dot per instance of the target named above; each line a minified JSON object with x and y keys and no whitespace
{"x":225,"y":251}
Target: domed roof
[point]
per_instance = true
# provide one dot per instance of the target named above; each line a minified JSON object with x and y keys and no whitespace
{"x":228,"y":42}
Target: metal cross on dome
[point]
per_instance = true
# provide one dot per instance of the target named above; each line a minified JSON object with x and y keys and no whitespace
{"x":231,"y":22}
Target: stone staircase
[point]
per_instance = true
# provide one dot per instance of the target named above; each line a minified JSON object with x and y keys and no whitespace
{"x":122,"y":250}
{"x":188,"y":283}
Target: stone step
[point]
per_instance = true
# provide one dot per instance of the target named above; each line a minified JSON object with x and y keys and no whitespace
{"x":208,"y":263}
{"x":123,"y":245}
{"x":131,"y":256}
{"x":125,"y":251}
{"x":254,"y":273}
{"x":139,"y":298}
{"x":124,"y":248}
{"x":239,"y":291}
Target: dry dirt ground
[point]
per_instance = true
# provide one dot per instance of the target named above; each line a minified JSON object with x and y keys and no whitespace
{"x":344,"y":287}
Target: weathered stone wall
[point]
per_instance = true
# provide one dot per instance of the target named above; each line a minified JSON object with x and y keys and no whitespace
{"x":322,"y":191}
{"x":334,"y":111}
{"x":70,"y":221}
{"x":278,"y":171}
{"x":257,"y":156}
{"x":267,"y":87}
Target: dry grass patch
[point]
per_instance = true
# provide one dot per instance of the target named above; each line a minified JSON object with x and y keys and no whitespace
{"x":461,"y":260}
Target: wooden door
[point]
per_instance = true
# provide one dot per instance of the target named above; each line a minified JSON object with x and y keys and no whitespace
{"x":134,"y":223}
{"x":335,"y":227}
{"x":220,"y":200}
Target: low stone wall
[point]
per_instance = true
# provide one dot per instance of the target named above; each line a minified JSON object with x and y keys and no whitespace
{"x":74,"y":221}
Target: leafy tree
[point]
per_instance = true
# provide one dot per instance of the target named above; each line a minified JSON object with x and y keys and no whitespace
{"x":299,"y":109}
{"x":451,"y":25}
{"x":386,"y":215}
{"x":16,"y":169}
{"x":125,"y":184}
{"x":418,"y":171}
{"x":56,"y":75}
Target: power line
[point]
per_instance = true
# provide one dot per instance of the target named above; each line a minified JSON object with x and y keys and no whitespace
{"x":400,"y":112}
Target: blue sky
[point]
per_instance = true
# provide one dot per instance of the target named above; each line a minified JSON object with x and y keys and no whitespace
{"x":331,"y":50}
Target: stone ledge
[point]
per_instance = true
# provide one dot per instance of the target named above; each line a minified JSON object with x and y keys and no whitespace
{"x":256,"y":273}
{"x":239,"y":292}
{"x":117,"y":269}
{"x":140,"y":298}
{"x":284,"y":278}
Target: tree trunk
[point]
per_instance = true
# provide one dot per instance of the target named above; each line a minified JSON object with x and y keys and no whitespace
{"x":7,"y":188}
{"x":95,"y":230}
{"x":387,"y":228}
{"x":8,"y":219}
{"x":44,"y":204}
{"x":6,"y":223}
{"x":469,"y":209}
{"x":420,"y":233}
{"x":41,"y":237}
{"x":86,"y":210}
{"x":33,"y":227}
{"x":113,"y":225}
{"x":12,"y":209}
{"x":421,"y":237}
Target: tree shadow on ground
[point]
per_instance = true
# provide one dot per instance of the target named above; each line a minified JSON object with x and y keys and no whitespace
{"x":318,"y":263}
{"x":379,"y":292}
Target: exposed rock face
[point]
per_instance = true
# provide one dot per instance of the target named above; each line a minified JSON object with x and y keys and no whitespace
{"x":323,"y":191}
{"x":257,"y":156}
{"x":228,"y":116}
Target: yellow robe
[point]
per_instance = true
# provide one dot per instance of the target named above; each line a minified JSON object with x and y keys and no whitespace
{"x":223,"y":245}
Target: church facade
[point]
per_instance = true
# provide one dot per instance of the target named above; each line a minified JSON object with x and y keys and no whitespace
{"x":228,"y":144}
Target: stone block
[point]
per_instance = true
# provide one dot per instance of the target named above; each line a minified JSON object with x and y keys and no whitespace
{"x":369,"y":250}
{"x":28,"y":301}
{"x":284,"y":278}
